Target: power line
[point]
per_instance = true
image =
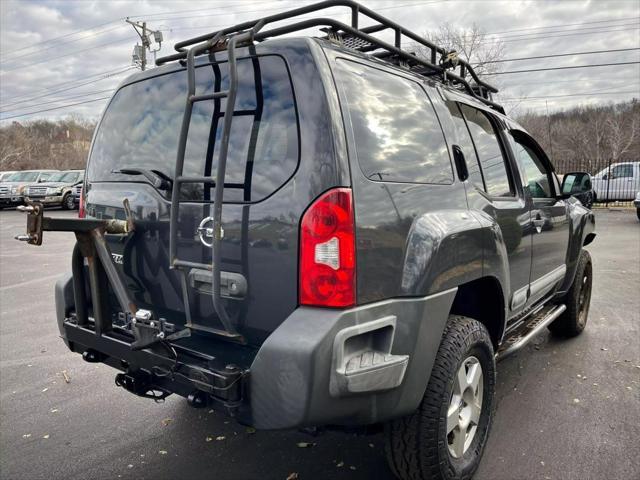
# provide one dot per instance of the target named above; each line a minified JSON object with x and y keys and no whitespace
{"x":584,"y":94}
{"x":563,"y":68}
{"x":544,"y":37}
{"x":559,"y":55}
{"x":67,"y":35}
{"x":62,"y":99}
{"x":562,"y":25}
{"x":54,"y":108}
{"x":599,"y":27}
{"x":64,"y":89}
{"x":281,"y":10}
{"x":107,"y":74}
{"x":58,"y":45}
{"x":28,"y":65}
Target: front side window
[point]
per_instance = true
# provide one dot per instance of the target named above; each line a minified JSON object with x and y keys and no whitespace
{"x":141,"y":127}
{"x":537,"y":177}
{"x":397,"y":134}
{"x":622,"y":171}
{"x":492,"y":162}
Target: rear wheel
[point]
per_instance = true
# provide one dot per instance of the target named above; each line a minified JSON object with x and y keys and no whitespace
{"x":577,"y":300}
{"x":445,"y":437}
{"x":67,"y":202}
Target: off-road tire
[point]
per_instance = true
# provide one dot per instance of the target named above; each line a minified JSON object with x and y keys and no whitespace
{"x":67,"y":202}
{"x":573,"y":320}
{"x":417,"y":445}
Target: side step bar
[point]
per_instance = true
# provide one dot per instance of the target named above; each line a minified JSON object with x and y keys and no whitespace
{"x":532,"y":328}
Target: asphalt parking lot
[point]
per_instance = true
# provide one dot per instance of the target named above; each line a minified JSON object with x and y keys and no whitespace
{"x":565,"y":409}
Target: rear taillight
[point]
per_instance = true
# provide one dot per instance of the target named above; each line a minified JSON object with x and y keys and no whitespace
{"x":327,"y":251}
{"x":81,"y":211}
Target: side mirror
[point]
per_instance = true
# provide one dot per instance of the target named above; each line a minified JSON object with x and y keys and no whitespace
{"x":575,"y":183}
{"x":605,"y":176}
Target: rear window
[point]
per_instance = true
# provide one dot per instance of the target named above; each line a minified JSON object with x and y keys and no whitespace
{"x":398,"y":137}
{"x":140,"y":128}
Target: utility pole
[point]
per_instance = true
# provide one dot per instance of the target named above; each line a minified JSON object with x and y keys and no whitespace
{"x":145,"y":34}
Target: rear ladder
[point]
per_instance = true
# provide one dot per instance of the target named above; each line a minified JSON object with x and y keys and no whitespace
{"x":179,"y":179}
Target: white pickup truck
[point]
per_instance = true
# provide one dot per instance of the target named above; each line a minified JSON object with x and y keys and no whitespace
{"x":620,"y":181}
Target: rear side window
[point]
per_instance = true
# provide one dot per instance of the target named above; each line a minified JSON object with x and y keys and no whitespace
{"x":492,"y":162}
{"x":466,"y":145}
{"x":140,"y":128}
{"x":398,"y":137}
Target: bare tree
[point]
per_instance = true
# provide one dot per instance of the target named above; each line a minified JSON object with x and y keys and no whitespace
{"x":472,"y":44}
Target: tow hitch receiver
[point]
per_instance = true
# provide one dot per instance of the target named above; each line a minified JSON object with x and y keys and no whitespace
{"x":139,"y":383}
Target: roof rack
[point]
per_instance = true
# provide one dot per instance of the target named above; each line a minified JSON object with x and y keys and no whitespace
{"x":442,"y":64}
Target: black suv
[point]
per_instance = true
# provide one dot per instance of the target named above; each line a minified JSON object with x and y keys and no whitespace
{"x":316,"y":231}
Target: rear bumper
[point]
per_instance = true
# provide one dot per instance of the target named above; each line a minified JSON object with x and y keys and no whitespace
{"x":299,"y":376}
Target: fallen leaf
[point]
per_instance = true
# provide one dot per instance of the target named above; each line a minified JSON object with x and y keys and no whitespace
{"x":54,"y":410}
{"x":208,"y":439}
{"x":162,"y":452}
{"x":352,"y":467}
{"x":250,"y":430}
{"x":604,"y":349}
{"x":67,"y":379}
{"x":340,"y":464}
{"x":26,"y":435}
{"x":166,"y":422}
{"x":220,"y":438}
{"x":372,"y":445}
{"x":628,"y":388}
{"x":29,"y":365}
{"x":305,"y":444}
{"x":576,"y":400}
{"x":293,"y":476}
{"x":595,"y":384}
{"x":210,"y":411}
{"x":129,"y":466}
{"x":46,"y":436}
{"x":44,"y":390}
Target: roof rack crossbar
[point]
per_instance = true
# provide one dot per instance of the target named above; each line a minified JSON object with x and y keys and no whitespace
{"x":383,"y":23}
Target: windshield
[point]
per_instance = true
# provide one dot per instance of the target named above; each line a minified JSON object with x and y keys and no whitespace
{"x":64,"y":177}
{"x":23,"y":177}
{"x":140,"y":129}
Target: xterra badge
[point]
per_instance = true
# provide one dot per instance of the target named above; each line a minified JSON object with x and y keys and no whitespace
{"x":117,"y":258}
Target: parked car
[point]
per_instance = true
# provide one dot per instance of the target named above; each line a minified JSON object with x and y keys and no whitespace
{"x":636,"y":202}
{"x":620,"y":182}
{"x":12,"y":189}
{"x":5,"y":175}
{"x":351,"y":240}
{"x":58,"y":190}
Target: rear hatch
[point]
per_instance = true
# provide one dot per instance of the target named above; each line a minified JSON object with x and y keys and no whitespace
{"x":139,"y":131}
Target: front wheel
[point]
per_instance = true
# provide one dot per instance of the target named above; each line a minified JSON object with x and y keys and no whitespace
{"x":444,"y":439}
{"x":67,"y":202}
{"x":572,"y":322}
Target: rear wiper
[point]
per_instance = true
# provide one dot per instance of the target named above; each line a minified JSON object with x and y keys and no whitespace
{"x":158,"y":179}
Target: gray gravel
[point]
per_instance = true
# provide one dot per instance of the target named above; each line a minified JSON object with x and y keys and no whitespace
{"x":565,"y":409}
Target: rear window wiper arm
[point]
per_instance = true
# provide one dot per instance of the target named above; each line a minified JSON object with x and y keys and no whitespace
{"x":158,"y":179}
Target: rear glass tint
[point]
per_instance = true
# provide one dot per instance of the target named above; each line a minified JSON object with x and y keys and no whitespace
{"x":397,"y":134}
{"x":142,"y":123}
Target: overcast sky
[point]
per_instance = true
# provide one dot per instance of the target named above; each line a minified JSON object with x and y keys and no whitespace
{"x":59,"y":52}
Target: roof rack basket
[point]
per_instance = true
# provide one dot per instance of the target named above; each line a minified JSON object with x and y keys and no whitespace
{"x":442,"y":64}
